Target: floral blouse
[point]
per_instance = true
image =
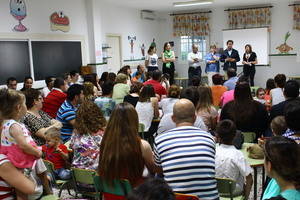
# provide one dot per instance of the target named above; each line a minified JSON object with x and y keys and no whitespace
{"x":34,"y":124}
{"x":86,"y":150}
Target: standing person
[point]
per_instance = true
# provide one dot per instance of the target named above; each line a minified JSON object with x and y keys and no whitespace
{"x":168,"y":58}
{"x":11,"y":83}
{"x":194,"y":59}
{"x":151,"y":59}
{"x":212,"y":63}
{"x":28,"y":82}
{"x":67,"y":112}
{"x":49,"y":85}
{"x":249,"y":62}
{"x":230,"y":56}
{"x":179,"y":153}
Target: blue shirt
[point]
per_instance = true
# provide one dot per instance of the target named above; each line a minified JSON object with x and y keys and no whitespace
{"x":212,"y":67}
{"x":65,"y":114}
{"x":106,"y":105}
{"x":273,"y":190}
{"x":187,"y":157}
{"x":230,"y":83}
{"x":141,"y":79}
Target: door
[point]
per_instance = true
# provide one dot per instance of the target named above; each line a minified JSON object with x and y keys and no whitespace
{"x":114,"y":63}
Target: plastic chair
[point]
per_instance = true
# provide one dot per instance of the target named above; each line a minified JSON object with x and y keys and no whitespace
{"x":226,"y":189}
{"x":61,"y":184}
{"x":117,"y":191}
{"x":249,"y":137}
{"x":82,"y":177}
{"x":180,"y":196}
{"x":141,"y":130}
{"x":50,"y":197}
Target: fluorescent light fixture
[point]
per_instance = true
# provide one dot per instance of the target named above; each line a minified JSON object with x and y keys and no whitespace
{"x":192,"y":3}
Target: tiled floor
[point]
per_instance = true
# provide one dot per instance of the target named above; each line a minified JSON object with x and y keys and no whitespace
{"x":65,"y":194}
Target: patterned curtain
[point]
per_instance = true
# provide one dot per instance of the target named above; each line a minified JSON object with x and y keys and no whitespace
{"x":249,"y":18}
{"x":297,"y":17}
{"x":191,"y":25}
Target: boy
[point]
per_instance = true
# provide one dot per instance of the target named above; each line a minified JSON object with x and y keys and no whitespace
{"x":230,"y":162}
{"x":57,"y":153}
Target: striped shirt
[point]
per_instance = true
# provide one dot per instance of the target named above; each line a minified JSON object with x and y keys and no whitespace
{"x":187,"y":157}
{"x":65,"y":114}
{"x":6,"y":191}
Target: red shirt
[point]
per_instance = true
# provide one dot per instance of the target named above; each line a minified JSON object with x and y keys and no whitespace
{"x":158,"y":88}
{"x":53,"y":102}
{"x":54,"y":156}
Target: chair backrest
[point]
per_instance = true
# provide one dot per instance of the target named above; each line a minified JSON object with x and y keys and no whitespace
{"x":180,"y":196}
{"x":83,"y":176}
{"x":249,"y":137}
{"x":118,"y":187}
{"x":226,"y":187}
{"x":50,"y":168}
{"x":141,"y":130}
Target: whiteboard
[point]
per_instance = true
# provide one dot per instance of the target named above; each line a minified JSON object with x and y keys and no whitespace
{"x":258,"y":38}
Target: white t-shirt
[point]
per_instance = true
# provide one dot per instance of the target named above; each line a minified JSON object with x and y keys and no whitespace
{"x":192,"y":56}
{"x":152,"y":60}
{"x":45,"y":91}
{"x":145,"y":113}
{"x":231,"y":163}
{"x":277,"y":96}
{"x":167,"y":104}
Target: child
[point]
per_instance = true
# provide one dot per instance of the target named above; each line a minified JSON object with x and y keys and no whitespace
{"x":230,"y":162}
{"x":260,"y":95}
{"x":57,"y":153}
{"x":16,"y":141}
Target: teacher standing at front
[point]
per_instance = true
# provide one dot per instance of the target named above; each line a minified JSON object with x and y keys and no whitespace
{"x":230,"y":57}
{"x":194,"y":59}
{"x":168,"y":58}
{"x":249,"y":62}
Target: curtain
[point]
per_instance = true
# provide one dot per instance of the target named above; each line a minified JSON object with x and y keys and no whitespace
{"x":191,"y":25}
{"x":297,"y":17}
{"x":249,"y":18}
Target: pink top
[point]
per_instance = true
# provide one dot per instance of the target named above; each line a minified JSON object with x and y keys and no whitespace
{"x":227,"y":96}
{"x":10,"y":148}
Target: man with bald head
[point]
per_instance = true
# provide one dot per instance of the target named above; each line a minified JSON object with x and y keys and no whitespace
{"x":194,"y":58}
{"x":186,"y":155}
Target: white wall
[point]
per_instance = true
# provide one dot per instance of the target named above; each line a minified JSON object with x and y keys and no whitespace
{"x":281,"y":23}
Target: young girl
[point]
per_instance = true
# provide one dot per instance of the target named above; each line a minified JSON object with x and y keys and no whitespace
{"x":57,"y":153}
{"x":284,"y":170}
{"x":151,"y":59}
{"x":16,"y":141}
{"x":260,"y":96}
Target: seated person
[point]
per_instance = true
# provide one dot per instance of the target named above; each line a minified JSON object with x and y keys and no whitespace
{"x":217,"y":89}
{"x":121,"y":88}
{"x":284,"y":170}
{"x":49,"y":85}
{"x":230,"y":162}
{"x":11,"y":83}
{"x":57,"y":153}
{"x":67,"y":112}
{"x":155,"y":82}
{"x":292,"y":118}
{"x":134,"y":93}
{"x":260,"y":95}
{"x":232,"y":79}
{"x":139,"y":75}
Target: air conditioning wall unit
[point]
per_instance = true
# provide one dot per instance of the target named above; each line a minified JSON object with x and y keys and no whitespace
{"x":148,"y":15}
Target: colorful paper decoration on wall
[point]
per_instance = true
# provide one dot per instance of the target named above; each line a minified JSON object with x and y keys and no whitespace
{"x":284,"y":48}
{"x":59,"y":22}
{"x":131,"y":42}
{"x":18,"y":11}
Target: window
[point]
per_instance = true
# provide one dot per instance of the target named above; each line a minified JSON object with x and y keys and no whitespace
{"x":186,"y":43}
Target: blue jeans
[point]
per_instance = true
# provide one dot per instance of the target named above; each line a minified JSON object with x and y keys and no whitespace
{"x":63,"y":174}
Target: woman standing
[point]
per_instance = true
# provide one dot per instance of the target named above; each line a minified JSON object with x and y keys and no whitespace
{"x":212,"y":63}
{"x":249,"y":62}
{"x":168,"y":59}
{"x":151,"y":59}
{"x":123,"y":153}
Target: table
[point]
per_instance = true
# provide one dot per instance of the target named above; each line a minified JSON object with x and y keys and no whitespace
{"x":254,"y":163}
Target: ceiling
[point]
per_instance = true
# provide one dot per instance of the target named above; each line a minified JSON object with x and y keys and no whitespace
{"x":167,"y":5}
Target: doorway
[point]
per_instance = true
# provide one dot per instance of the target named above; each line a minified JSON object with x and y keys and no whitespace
{"x":114,"y":63}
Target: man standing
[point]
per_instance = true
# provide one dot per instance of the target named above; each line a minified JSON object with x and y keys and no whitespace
{"x":186,"y":155}
{"x":194,"y":59}
{"x":230,"y":56}
{"x":67,"y":112}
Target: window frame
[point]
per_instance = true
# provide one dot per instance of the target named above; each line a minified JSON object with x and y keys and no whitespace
{"x":201,"y":41}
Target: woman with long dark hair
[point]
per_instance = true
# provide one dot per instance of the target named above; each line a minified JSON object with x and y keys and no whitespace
{"x":249,"y":62}
{"x":168,"y":59}
{"x":248,"y":114}
{"x":123,"y":153}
